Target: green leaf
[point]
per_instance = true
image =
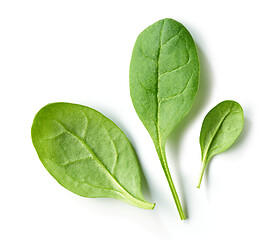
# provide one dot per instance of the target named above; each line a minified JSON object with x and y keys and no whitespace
{"x":220,"y":128}
{"x":164,"y":77}
{"x":87,"y":153}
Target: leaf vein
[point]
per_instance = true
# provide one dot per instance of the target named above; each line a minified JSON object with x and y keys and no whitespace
{"x":115,"y":150}
{"x":158,"y":78}
{"x":145,"y":88}
{"x":87,"y":124}
{"x":215,"y":133}
{"x":146,"y":111}
{"x":177,"y":68}
{"x":96,"y":187}
{"x":54,"y":137}
{"x":178,"y":94}
{"x":75,"y":161}
{"x":148,"y":57}
{"x":180,"y":31}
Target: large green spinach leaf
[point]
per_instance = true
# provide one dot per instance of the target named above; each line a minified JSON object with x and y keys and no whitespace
{"x":164,"y":77}
{"x":220,"y":128}
{"x":87,"y":153}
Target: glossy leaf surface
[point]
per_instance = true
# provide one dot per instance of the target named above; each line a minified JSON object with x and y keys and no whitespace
{"x":164,"y":77}
{"x":87,"y":153}
{"x":220,"y":128}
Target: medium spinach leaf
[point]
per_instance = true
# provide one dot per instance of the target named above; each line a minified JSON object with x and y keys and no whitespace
{"x":87,"y":153}
{"x":164,"y":77}
{"x":220,"y":128}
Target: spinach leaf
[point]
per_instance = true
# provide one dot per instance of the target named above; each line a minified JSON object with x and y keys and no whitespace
{"x":164,"y":77}
{"x":87,"y":153}
{"x":220,"y":128}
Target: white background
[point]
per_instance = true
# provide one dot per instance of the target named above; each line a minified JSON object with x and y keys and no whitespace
{"x":79,"y":52}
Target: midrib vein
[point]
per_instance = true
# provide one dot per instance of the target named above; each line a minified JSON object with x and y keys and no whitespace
{"x":161,"y":153}
{"x":158,"y":78}
{"x":214,"y":135}
{"x":122,"y":191}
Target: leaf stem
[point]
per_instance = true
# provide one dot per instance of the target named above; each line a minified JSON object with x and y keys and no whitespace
{"x":137,"y":203}
{"x":203,"y":165}
{"x":171,"y":184}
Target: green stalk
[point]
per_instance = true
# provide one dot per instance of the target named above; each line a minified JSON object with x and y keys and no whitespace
{"x":163,"y":160}
{"x":137,"y":203}
{"x":201,"y":173}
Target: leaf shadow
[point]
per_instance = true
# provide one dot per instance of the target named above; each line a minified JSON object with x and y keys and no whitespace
{"x":175,"y":138}
{"x":239,"y":141}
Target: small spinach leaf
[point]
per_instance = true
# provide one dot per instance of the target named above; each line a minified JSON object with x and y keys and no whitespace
{"x":220,"y":128}
{"x":87,"y":153}
{"x":164,"y":78}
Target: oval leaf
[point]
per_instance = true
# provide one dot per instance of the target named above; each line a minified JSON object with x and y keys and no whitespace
{"x":220,"y":128}
{"x":87,"y":153}
{"x":164,"y":77}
